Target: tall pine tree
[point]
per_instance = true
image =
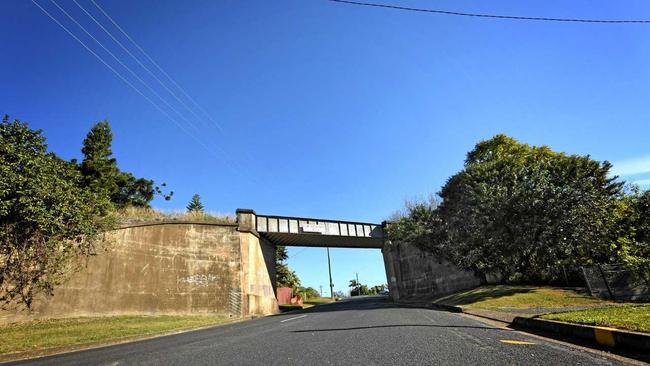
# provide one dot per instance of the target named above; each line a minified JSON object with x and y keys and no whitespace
{"x":195,"y":204}
{"x":102,"y":175}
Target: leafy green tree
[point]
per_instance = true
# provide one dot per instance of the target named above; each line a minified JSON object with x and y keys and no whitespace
{"x":308,"y":292}
{"x":98,"y":167}
{"x":358,"y":289}
{"x":281,"y":254}
{"x":377,"y":289}
{"x":48,"y":221}
{"x":102,"y":175}
{"x":632,"y":217}
{"x":195,"y":204}
{"x":284,"y":276}
{"x":420,"y":225}
{"x":523,"y":211}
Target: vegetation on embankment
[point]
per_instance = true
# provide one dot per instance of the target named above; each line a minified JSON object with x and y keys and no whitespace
{"x":136,"y":215}
{"x":629,"y":317}
{"x":528,"y":212}
{"x":53,"y":212}
{"x":43,"y":334}
{"x":502,"y":297}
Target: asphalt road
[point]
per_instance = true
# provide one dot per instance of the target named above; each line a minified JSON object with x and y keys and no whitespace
{"x":366,"y":331}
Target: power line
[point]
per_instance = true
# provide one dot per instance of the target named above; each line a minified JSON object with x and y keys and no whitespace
{"x":493,"y":16}
{"x":119,"y":75}
{"x":139,"y":62}
{"x":162,"y":71}
{"x":156,"y":65}
{"x":125,"y":66}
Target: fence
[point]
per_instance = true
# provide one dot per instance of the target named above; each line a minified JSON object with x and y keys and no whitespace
{"x":617,"y":282}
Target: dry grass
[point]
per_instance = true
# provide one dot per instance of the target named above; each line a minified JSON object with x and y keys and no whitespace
{"x":132,"y":215}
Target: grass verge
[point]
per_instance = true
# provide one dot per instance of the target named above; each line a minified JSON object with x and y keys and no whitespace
{"x":318,"y":301}
{"x":630,"y":317}
{"x":40,"y":334}
{"x":520,"y":297}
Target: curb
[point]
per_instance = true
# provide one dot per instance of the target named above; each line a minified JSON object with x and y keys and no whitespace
{"x":449,"y":308}
{"x":604,"y":336}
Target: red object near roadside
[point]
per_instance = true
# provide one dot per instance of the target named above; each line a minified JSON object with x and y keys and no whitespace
{"x":296,"y":300}
{"x":284,"y":295}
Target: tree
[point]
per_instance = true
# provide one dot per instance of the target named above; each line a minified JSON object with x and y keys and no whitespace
{"x":284,"y":277}
{"x":632,"y":217}
{"x":281,"y":254}
{"x":358,"y":289}
{"x":523,"y":211}
{"x":102,"y":175}
{"x":49,"y":220}
{"x":308,"y":292}
{"x":377,"y":289}
{"x":195,"y":204}
{"x":98,"y":167}
{"x":420,"y":225}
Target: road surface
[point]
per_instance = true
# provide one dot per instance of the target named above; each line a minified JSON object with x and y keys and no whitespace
{"x":365,"y":331}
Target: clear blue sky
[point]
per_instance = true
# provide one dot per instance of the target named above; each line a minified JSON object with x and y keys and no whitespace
{"x":329,"y":110}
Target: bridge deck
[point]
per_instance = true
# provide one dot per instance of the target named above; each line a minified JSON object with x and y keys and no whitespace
{"x":297,"y":231}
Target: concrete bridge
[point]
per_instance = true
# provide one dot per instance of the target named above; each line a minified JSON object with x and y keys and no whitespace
{"x":310,"y":232}
{"x":227,"y":268}
{"x":409,"y":271}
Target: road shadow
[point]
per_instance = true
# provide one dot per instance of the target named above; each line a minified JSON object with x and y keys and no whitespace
{"x":392,"y":326}
{"x":472,"y":297}
{"x":351,"y":304}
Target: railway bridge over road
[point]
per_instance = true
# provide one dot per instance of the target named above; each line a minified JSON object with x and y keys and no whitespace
{"x":409,"y":271}
{"x":177,"y":267}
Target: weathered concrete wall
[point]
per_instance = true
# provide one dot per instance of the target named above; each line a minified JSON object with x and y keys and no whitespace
{"x":413,"y":272}
{"x":258,"y":275}
{"x":169,"y":268}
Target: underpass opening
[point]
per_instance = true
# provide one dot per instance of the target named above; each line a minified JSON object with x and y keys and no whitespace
{"x":315,"y":233}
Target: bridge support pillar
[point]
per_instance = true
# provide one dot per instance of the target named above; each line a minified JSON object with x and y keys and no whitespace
{"x":391,"y":264}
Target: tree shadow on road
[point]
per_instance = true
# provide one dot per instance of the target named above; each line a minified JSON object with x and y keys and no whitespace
{"x":393,"y":326}
{"x":483,"y":293}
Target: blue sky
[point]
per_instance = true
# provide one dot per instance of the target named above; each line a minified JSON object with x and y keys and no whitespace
{"x":325,"y":110}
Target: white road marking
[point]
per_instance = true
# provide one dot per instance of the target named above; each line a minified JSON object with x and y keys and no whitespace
{"x":298,"y":317}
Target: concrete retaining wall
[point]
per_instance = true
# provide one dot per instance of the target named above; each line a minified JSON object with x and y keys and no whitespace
{"x":168,"y":268}
{"x":413,"y":272}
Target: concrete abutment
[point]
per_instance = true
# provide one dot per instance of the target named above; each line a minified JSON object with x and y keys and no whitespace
{"x":204,"y":268}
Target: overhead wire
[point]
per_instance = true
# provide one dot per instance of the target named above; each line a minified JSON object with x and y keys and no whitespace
{"x":493,"y":16}
{"x":182,"y":90}
{"x":119,"y":43}
{"x":126,"y":81}
{"x":243,"y":154}
{"x":164,"y":101}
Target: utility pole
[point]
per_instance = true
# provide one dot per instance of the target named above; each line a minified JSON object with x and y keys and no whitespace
{"x":321,"y":290}
{"x":329,"y":268}
{"x":358,"y":284}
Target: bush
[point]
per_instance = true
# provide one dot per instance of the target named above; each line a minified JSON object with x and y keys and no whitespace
{"x":48,"y":220}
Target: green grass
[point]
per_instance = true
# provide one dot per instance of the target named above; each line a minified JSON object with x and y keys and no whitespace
{"x":520,"y":297}
{"x":40,"y":334}
{"x":318,"y":301}
{"x":630,"y":317}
